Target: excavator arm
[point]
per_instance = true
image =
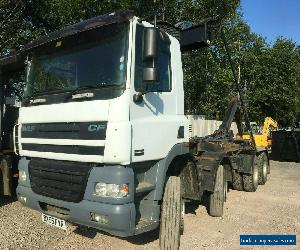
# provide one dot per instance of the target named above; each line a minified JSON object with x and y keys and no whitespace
{"x":269,"y":122}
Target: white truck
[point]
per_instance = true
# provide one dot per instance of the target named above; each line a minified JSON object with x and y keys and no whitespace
{"x":102,"y":134}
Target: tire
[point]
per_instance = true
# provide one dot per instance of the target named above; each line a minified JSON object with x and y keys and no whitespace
{"x":171,"y":216}
{"x":269,"y":167}
{"x":225,"y":190}
{"x":1,"y":184}
{"x":182,"y":217}
{"x":263,"y":169}
{"x":217,"y":198}
{"x":251,"y":180}
{"x":237,"y":181}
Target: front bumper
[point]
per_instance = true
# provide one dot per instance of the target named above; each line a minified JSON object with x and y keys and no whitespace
{"x":121,"y":213}
{"x":121,"y":218}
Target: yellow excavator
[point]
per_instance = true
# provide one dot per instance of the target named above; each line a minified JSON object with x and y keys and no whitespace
{"x":262,"y":139}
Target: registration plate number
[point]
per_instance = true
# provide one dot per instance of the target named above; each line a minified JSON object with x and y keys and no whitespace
{"x":52,"y":221}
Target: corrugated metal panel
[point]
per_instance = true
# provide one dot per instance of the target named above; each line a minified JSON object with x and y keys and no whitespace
{"x":202,"y":127}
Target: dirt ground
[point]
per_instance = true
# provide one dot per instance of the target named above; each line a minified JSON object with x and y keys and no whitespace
{"x":273,"y":209}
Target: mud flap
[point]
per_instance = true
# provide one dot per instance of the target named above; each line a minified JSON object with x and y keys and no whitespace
{"x":207,"y":165}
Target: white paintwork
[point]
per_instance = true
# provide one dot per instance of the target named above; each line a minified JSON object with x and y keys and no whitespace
{"x":65,"y":112}
{"x":152,"y":126}
{"x":118,"y":143}
{"x":63,"y":142}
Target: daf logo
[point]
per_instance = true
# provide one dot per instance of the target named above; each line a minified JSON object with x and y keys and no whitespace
{"x":95,"y":127}
{"x":28,"y":128}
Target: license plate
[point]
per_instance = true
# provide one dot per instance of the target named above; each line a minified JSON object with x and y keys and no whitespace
{"x":52,"y":221}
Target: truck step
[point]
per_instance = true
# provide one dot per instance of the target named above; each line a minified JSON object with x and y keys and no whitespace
{"x":145,"y":225}
{"x":144,"y":187}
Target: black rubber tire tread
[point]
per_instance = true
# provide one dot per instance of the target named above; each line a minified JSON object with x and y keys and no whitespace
{"x":250,"y":185}
{"x":237,"y":181}
{"x":262,"y":178}
{"x":1,"y":184}
{"x":182,"y":218}
{"x":216,"y":199}
{"x":269,"y":167}
{"x":169,"y":236}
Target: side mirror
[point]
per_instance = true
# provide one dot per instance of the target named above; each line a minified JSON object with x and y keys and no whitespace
{"x":150,"y":43}
{"x":150,"y":73}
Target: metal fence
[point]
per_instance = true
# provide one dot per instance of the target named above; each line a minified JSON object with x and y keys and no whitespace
{"x":199,"y":126}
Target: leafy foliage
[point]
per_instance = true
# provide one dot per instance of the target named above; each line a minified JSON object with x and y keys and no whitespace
{"x":269,"y":75}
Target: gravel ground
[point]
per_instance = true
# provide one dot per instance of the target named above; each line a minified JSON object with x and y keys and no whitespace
{"x":273,"y":209}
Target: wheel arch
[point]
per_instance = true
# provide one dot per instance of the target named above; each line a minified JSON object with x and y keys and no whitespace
{"x":170,"y":165}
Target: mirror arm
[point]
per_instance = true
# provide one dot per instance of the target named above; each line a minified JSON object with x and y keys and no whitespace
{"x":138,"y":97}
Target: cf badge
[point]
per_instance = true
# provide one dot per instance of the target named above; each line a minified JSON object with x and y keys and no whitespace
{"x":96,"y":127}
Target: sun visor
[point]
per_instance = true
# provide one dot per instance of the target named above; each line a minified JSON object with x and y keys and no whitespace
{"x":93,"y":23}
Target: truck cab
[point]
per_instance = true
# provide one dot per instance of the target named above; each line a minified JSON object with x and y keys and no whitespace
{"x":101,"y":123}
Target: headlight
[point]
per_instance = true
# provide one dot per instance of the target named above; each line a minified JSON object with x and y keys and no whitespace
{"x":111,"y":190}
{"x":22,"y":175}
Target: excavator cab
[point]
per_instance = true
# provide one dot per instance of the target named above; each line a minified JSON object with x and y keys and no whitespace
{"x":262,"y":137}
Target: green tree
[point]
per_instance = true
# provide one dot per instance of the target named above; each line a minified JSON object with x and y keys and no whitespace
{"x":274,"y":83}
{"x":269,"y":75}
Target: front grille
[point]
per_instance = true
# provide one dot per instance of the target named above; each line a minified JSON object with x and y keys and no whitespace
{"x":66,"y":130}
{"x":66,"y":149}
{"x":60,"y":180}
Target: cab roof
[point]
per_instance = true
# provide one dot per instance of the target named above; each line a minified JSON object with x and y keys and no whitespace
{"x":93,"y":23}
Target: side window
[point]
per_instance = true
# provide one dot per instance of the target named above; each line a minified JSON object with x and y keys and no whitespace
{"x":163,"y":63}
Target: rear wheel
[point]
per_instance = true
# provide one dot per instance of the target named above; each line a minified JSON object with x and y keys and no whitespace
{"x":237,"y":181}
{"x":263,"y":169}
{"x":217,"y":198}
{"x":251,"y":180}
{"x":171,"y":222}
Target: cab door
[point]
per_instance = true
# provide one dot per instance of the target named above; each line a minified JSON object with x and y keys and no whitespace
{"x":158,"y":122}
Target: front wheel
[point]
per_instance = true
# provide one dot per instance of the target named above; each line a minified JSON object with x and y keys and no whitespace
{"x":171,"y":223}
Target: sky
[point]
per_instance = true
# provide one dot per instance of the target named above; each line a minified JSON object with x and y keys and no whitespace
{"x":273,"y":18}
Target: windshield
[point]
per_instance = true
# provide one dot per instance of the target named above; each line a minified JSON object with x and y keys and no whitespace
{"x":93,"y":59}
